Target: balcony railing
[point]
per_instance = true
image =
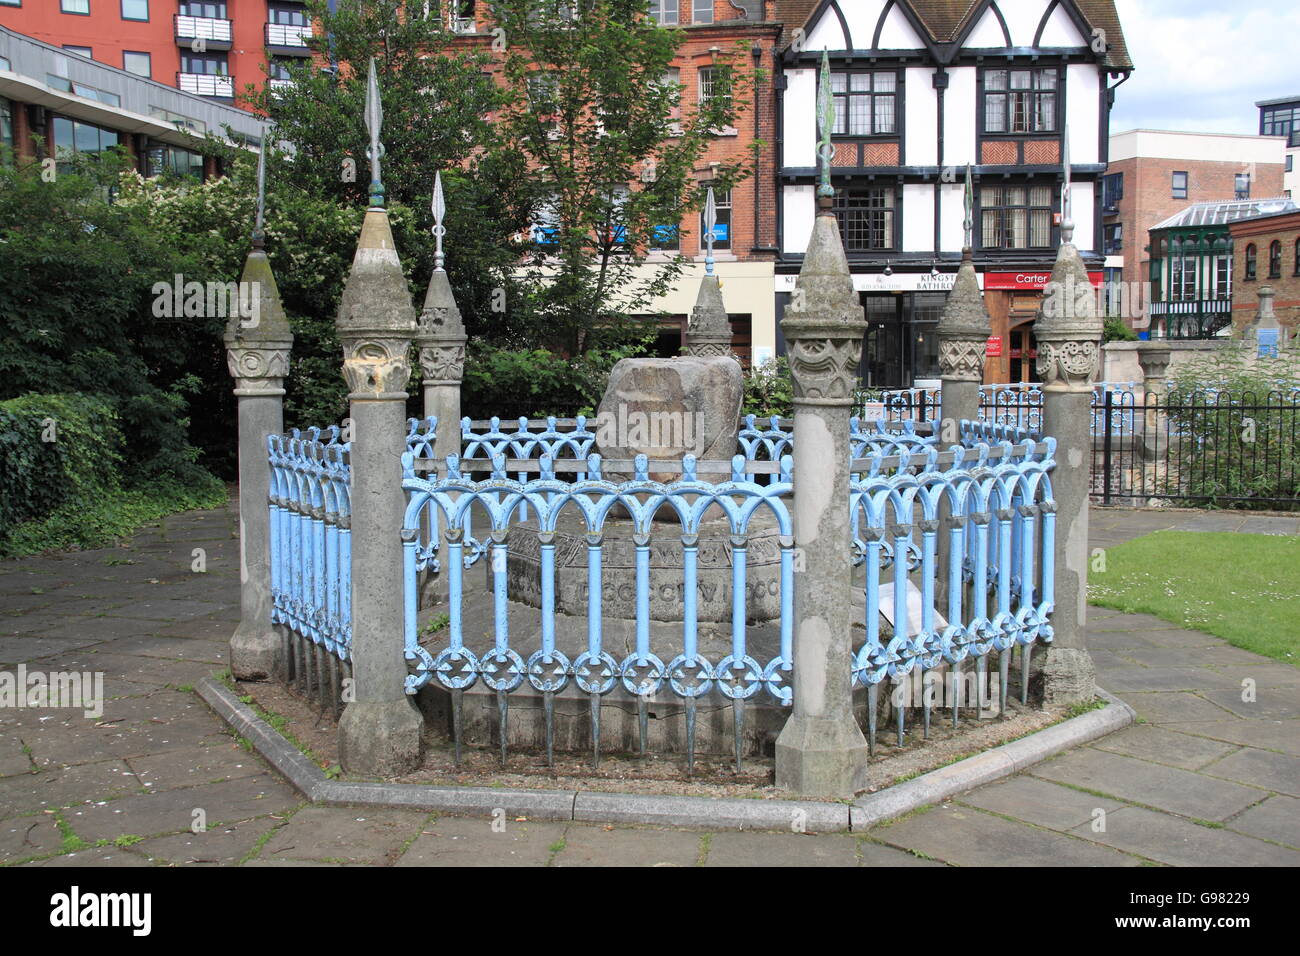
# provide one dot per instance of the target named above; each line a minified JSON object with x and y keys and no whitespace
{"x":463,"y":25}
{"x":202,"y":28}
{"x":279,"y":83}
{"x":206,"y":84}
{"x":1195,"y":319}
{"x":288,"y":34}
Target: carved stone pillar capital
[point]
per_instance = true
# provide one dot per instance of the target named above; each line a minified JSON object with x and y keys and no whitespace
{"x":258,"y":368}
{"x":441,"y":336}
{"x":1068,"y":328}
{"x":708,"y":330}
{"x":964,"y":328}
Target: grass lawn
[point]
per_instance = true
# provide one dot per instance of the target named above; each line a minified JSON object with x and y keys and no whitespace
{"x":1244,"y":588}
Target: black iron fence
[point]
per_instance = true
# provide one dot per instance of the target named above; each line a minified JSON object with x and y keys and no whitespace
{"x":1238,"y":450}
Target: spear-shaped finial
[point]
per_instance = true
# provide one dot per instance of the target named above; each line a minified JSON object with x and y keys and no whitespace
{"x":259,"y":224}
{"x":825,"y":123}
{"x":1067,"y":218}
{"x":969,"y":200}
{"x":439,"y":230}
{"x":710,"y":222}
{"x":374,"y":122}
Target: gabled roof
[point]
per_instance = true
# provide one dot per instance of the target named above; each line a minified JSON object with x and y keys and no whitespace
{"x":1222,"y":213}
{"x":946,"y":20}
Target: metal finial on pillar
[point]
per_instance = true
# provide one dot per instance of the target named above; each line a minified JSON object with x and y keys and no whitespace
{"x":825,"y":123}
{"x":969,"y":223}
{"x":374,"y":122}
{"x":1067,"y":218}
{"x":710,"y":222}
{"x":439,"y":230}
{"x":259,"y":225}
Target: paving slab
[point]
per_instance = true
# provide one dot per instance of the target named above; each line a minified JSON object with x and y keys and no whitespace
{"x":783,"y":849}
{"x":1165,"y":788}
{"x":173,"y":647}
{"x":222,"y":845}
{"x":24,"y":649}
{"x":24,"y":837}
{"x":1159,"y":744}
{"x":172,"y":811}
{"x":67,"y":787}
{"x":111,"y":857}
{"x":1174,"y":707}
{"x":1261,"y":768}
{"x":188,"y":766}
{"x":610,"y":846}
{"x":1040,"y":802}
{"x":1180,"y":842}
{"x":458,"y":841}
{"x":344,"y":834}
{"x":1277,"y":819}
{"x":973,"y":838}
{"x":1279,"y":705}
{"x":1281,"y":735}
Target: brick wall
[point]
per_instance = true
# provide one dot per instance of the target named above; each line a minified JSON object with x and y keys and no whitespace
{"x":1262,"y":233}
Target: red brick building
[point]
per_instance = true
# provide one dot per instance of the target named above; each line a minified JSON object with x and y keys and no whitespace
{"x":1266,"y":251}
{"x":1153,"y":175}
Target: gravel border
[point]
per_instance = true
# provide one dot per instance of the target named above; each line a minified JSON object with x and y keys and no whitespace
{"x":678,"y":811}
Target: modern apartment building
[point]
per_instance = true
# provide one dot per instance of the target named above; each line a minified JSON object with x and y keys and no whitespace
{"x":922,"y":89}
{"x":211,"y":48}
{"x":1281,"y":117}
{"x":53,"y":103}
{"x":1156,"y":175}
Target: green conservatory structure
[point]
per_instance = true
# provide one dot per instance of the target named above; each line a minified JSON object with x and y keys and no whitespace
{"x":1191,"y":267}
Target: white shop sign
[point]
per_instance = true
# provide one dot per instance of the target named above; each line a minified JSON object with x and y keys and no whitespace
{"x":898,"y":282}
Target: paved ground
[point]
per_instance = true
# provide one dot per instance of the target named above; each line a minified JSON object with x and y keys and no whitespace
{"x":1205,"y":778}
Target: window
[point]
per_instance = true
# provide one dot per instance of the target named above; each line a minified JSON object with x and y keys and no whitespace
{"x":7,"y":135}
{"x":79,"y":50}
{"x":1179,"y":185}
{"x":1223,"y":277}
{"x":1112,"y":190}
{"x":702,"y":11}
{"x":714,"y":83}
{"x":213,"y":64}
{"x":11,"y":3}
{"x":1290,"y":162}
{"x":65,"y":85}
{"x":722,"y":225}
{"x":278,"y":69}
{"x":1281,"y":121}
{"x":291,"y":16}
{"x":666,"y":238}
{"x":1113,"y":238}
{"x":174,"y":160}
{"x":864,"y":103}
{"x":664,"y":12}
{"x":1241,"y":185}
{"x":1016,"y":217}
{"x":866,"y":218}
{"x":203,"y":8}
{"x":135,"y":9}
{"x":72,"y":137}
{"x":141,"y":64}
{"x":1020,"y":101}
{"x":179,"y":120}
{"x":1252,"y":255}
{"x":1182,"y":278}
{"x":1275,"y":260}
{"x":75,"y":6}
{"x":1296,"y":271}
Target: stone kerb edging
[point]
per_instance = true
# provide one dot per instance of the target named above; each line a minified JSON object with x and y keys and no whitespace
{"x":679,"y":811}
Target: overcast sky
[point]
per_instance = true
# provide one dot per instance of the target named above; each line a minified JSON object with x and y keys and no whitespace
{"x":1202,"y":64}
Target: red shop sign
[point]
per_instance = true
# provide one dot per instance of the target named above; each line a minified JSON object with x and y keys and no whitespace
{"x":1027,"y":281}
{"x":993,"y":348}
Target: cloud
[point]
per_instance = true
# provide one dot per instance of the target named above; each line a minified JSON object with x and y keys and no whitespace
{"x":1202,"y":64}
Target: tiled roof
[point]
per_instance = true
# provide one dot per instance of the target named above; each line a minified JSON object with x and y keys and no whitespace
{"x":944,"y":20}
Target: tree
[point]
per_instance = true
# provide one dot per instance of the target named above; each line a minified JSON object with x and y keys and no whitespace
{"x":611,"y":150}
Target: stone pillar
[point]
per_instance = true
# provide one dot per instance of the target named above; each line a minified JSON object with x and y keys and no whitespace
{"x":1069,"y":332}
{"x":708,"y":331}
{"x":821,"y":751}
{"x":1153,"y":356}
{"x":379,"y":732}
{"x":257,"y":348}
{"x":964,"y":330}
{"x":441,"y":339}
{"x":1264,"y":334}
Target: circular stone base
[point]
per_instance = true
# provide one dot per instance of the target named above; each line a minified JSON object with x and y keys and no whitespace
{"x":667,"y":585}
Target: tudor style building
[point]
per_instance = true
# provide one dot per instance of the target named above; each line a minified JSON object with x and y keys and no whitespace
{"x":921,"y":89}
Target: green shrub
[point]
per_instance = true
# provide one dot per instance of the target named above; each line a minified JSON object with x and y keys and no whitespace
{"x":1117,"y":330}
{"x":769,"y":390}
{"x":55,"y":449}
{"x":534,"y":383}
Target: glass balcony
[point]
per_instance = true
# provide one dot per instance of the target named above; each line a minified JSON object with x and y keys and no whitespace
{"x":295,"y":35}
{"x":211,"y":29}
{"x":206,"y":84}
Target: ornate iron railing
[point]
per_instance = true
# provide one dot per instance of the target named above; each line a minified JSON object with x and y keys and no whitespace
{"x":311,"y":538}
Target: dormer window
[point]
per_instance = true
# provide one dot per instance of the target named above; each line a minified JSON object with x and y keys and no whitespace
{"x":1020,"y":101}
